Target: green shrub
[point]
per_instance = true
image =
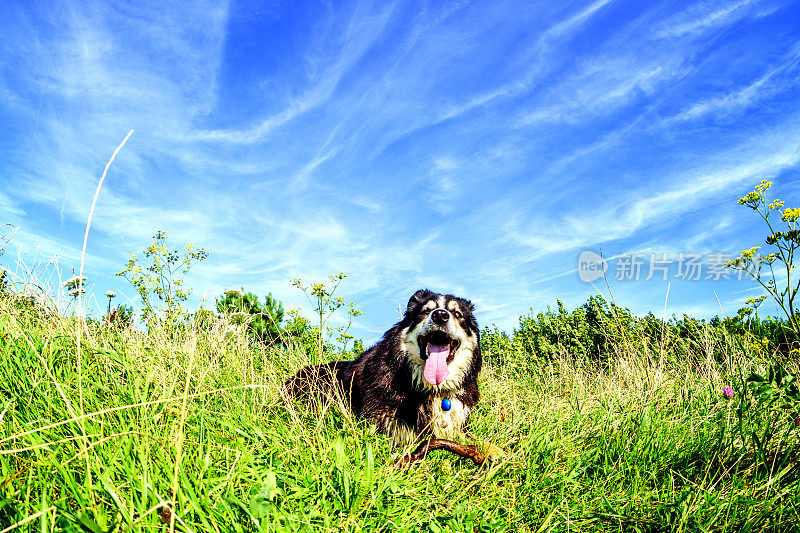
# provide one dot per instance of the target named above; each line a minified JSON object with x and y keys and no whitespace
{"x":263,"y":321}
{"x":600,"y":331}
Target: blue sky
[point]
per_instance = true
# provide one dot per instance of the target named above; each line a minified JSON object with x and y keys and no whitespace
{"x":469,"y":147}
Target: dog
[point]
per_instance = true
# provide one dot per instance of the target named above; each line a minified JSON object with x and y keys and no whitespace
{"x":420,"y":378}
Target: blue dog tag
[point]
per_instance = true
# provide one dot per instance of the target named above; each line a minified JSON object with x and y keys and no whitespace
{"x":446,"y":404}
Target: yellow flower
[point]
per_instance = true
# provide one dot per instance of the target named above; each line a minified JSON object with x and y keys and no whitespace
{"x":748,"y":254}
{"x":763,"y":186}
{"x":752,"y":198}
{"x":790,"y":214}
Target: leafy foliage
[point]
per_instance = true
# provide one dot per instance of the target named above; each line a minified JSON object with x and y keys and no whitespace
{"x":263,"y":321}
{"x":161,"y":284}
{"x":121,"y":316}
{"x":599,"y":330}
{"x":777,"y":389}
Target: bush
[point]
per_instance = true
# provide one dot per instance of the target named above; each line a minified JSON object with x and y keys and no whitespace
{"x":599,"y":330}
{"x":263,"y":321}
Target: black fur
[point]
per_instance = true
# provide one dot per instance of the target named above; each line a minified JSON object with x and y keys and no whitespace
{"x":379,"y":384}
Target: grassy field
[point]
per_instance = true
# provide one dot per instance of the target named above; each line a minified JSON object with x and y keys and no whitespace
{"x":104,"y":429}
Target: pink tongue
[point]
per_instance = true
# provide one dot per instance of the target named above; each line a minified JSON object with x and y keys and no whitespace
{"x":436,"y":364}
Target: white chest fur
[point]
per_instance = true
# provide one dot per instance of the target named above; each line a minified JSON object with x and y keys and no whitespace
{"x":446,"y":424}
{"x":443,"y":424}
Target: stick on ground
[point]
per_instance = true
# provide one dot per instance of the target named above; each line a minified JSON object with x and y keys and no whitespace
{"x":471,"y":451}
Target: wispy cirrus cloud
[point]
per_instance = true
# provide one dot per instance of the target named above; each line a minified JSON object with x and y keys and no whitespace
{"x":623,"y":215}
{"x":702,"y":17}
{"x":362,"y":32}
{"x":779,"y":78}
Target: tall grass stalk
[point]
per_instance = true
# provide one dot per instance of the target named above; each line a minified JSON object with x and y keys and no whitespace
{"x":81,"y":325}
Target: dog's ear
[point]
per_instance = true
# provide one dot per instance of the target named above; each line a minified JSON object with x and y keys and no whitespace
{"x":417,"y":298}
{"x":467,"y":305}
{"x":469,"y":309}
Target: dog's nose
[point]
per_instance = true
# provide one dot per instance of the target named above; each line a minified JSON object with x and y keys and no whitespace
{"x":440,"y":316}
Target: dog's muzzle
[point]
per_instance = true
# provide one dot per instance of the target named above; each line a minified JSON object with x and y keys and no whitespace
{"x":437,"y":347}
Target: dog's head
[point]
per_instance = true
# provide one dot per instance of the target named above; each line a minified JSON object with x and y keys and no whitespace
{"x":441,"y":340}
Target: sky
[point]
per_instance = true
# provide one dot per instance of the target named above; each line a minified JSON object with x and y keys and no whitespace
{"x":473,"y":148}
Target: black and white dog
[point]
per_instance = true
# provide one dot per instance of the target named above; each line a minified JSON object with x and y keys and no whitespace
{"x":420,"y":378}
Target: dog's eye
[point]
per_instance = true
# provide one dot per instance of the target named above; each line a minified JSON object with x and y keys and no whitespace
{"x":456,"y":314}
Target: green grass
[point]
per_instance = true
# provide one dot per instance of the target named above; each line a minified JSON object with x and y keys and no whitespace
{"x":194,"y":420}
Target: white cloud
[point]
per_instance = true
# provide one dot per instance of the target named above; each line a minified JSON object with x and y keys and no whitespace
{"x":9,"y":207}
{"x":30,"y":248}
{"x":566,"y":27}
{"x":757,"y":91}
{"x":533,"y":62}
{"x":701,"y":17}
{"x":679,"y":193}
{"x":363,"y":31}
{"x":444,"y":163}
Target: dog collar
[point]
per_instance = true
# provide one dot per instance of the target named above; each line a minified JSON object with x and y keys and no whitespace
{"x":446,"y":404}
